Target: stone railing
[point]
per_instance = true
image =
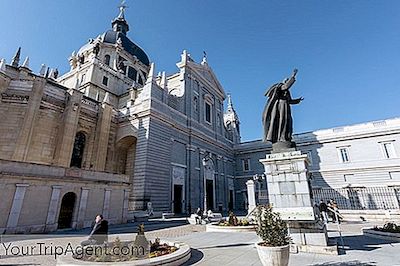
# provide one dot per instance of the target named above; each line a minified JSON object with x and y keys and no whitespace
{"x":45,"y":171}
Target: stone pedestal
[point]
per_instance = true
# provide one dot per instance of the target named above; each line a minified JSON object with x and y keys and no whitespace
{"x":142,"y":246}
{"x":251,"y":194}
{"x":289,"y":193}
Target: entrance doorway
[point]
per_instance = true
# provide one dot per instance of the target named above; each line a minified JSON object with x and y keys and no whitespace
{"x":230,"y":205}
{"x":66,"y":210}
{"x":178,"y":198}
{"x":210,"y":194}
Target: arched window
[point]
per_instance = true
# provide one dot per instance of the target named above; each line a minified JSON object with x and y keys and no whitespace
{"x":77,"y":152}
{"x":107,"y":59}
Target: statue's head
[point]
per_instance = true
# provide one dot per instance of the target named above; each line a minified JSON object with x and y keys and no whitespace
{"x":285,"y":80}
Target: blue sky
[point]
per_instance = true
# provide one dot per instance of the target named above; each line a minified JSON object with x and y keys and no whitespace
{"x":347,"y":52}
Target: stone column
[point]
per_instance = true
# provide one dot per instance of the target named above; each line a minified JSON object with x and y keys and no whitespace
{"x":67,"y":131}
{"x":25,"y":133}
{"x":106,"y":203}
{"x":102,"y":135}
{"x":80,"y":221}
{"x":51,"y":224}
{"x":125,"y":206}
{"x":251,"y":195}
{"x":16,"y":207}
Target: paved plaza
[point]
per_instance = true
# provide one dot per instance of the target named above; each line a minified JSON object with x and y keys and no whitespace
{"x":211,"y":248}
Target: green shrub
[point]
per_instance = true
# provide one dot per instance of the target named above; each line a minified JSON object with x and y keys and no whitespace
{"x":244,"y":222}
{"x":389,"y":228}
{"x":270,"y":227}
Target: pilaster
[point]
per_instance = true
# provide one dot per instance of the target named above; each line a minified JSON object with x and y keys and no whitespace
{"x":102,"y":135}
{"x":82,"y":208}
{"x":16,"y":207}
{"x":125,"y":206}
{"x":67,"y":131}
{"x":51,"y":224}
{"x":25,"y":133}
{"x":106,"y":202}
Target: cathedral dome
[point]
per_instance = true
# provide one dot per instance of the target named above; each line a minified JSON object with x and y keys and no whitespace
{"x":112,"y":37}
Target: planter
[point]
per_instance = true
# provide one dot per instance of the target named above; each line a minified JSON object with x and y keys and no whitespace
{"x":273,"y":256}
{"x":176,"y":258}
{"x":395,"y":237}
{"x":214,"y":227}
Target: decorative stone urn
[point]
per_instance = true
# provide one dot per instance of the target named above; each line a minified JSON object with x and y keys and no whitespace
{"x":273,"y":256}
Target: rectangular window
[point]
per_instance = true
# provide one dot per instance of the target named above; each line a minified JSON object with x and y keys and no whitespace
{"x":348,"y":178}
{"x":132,"y":73}
{"x":208,"y":112}
{"x":388,"y":150}
{"x":105,"y":81}
{"x":246,"y":165}
{"x":344,"y":154}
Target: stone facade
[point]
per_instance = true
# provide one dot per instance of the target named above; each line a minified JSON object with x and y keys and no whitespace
{"x":110,"y":136}
{"x":352,"y":158}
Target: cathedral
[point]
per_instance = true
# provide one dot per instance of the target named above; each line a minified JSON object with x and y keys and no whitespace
{"x":112,"y":136}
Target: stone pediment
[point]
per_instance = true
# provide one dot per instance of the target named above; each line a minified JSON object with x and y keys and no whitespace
{"x":207,"y":74}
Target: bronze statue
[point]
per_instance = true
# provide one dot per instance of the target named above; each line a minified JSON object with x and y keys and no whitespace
{"x":277,"y":117}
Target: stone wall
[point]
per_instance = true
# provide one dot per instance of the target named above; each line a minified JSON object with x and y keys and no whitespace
{"x":367,"y":165}
{"x":34,"y":214}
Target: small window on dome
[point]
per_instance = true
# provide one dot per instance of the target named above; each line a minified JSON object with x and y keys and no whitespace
{"x":107,"y":59}
{"x":132,"y":73}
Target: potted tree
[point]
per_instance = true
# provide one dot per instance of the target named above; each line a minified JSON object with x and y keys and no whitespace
{"x":274,"y":248}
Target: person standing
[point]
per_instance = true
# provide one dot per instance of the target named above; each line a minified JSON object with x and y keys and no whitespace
{"x":323,"y":209}
{"x":331,"y":211}
{"x":199,"y":215}
{"x":336,"y":211}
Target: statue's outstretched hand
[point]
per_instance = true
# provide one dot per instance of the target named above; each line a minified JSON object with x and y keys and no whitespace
{"x":301,"y":99}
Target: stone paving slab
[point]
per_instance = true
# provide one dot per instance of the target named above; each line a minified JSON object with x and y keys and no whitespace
{"x":216,"y":248}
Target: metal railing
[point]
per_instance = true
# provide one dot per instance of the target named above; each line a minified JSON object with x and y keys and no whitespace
{"x":361,"y":198}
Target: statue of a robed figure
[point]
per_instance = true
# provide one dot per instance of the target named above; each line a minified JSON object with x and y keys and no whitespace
{"x":277,"y":117}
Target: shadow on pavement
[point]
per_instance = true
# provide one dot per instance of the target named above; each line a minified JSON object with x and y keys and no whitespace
{"x":150,"y":225}
{"x":196,"y":256}
{"x":347,"y":263}
{"x":229,"y":245}
{"x":20,"y":264}
{"x":361,"y":242}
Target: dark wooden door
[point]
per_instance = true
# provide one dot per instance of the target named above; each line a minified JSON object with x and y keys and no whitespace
{"x":177,"y":198}
{"x":66,"y":210}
